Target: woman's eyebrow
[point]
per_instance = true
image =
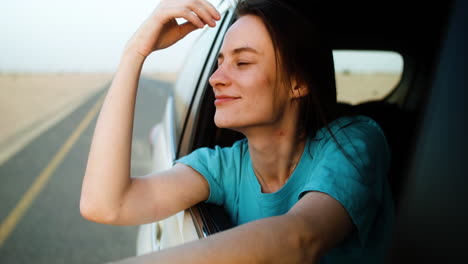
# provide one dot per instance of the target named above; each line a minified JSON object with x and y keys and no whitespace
{"x":239,"y":50}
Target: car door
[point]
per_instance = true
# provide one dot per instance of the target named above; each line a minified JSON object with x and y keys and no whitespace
{"x":173,"y":137}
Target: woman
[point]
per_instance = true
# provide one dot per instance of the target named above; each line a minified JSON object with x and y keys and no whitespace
{"x":304,"y":186}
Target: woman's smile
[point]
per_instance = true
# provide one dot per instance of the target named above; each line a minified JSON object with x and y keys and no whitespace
{"x":221,"y":99}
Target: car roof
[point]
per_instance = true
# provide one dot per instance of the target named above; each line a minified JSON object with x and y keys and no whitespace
{"x":395,"y":25}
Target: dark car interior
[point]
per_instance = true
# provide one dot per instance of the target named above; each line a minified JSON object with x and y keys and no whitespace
{"x":414,"y":30}
{"x":415,"y":39}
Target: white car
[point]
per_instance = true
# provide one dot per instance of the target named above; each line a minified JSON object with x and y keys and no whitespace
{"x":420,"y":110}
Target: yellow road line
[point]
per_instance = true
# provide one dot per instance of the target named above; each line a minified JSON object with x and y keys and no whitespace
{"x":15,"y":215}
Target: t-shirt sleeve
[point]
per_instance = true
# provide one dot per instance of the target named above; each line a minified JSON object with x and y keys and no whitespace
{"x":354,"y":174}
{"x":217,"y":166}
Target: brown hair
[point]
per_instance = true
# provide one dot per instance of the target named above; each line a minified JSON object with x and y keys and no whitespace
{"x":304,"y":53}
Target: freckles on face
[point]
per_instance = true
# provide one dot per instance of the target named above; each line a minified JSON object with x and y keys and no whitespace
{"x":247,"y":72}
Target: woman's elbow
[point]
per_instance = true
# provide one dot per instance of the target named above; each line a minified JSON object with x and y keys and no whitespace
{"x":93,"y":213}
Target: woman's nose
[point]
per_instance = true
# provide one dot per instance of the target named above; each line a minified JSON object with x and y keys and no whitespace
{"x":219,"y":78}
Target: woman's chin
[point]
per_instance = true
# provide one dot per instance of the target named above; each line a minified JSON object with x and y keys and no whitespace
{"x":223,"y":123}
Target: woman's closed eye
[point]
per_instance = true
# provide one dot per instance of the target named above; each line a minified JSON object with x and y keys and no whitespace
{"x":243,"y":63}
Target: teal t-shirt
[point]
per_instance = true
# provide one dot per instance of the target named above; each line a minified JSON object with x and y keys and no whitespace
{"x":356,"y":179}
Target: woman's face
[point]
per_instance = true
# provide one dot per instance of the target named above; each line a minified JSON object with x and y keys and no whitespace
{"x":245,"y":84}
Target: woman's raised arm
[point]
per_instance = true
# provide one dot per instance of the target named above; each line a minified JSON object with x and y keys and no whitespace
{"x":109,"y":193}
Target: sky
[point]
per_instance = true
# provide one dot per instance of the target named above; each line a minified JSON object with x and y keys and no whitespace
{"x":90,"y":35}
{"x":76,"y":36}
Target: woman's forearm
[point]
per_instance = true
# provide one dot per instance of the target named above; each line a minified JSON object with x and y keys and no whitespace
{"x":107,"y":174}
{"x":281,"y":239}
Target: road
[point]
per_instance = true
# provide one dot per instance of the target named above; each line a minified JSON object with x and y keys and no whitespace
{"x":40,"y":189}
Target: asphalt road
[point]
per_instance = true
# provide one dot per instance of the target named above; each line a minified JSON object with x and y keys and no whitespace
{"x":51,"y":229}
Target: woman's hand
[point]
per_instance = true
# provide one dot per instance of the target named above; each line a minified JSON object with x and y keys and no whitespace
{"x":161,"y":29}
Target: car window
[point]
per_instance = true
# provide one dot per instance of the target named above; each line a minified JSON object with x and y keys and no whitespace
{"x":366,"y":75}
{"x":189,"y":75}
{"x":193,"y":66}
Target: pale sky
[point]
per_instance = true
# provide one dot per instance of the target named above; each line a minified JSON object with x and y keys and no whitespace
{"x":89,"y":36}
{"x":76,"y":36}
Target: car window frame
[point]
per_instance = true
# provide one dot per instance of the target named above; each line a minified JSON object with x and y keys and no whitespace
{"x":188,"y":132}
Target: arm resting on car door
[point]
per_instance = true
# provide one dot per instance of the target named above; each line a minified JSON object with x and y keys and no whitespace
{"x":303,"y":235}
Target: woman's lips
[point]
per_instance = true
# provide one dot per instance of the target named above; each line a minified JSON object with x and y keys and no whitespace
{"x":224,"y":99}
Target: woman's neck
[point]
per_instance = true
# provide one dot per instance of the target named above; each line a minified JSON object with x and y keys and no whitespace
{"x":275,"y":154}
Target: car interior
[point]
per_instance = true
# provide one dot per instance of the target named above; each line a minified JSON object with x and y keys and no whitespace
{"x":411,"y":30}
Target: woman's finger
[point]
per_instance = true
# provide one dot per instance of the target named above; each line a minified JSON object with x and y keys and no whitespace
{"x":198,"y":12}
{"x":192,"y":18}
{"x":203,"y":13}
{"x":211,"y":9}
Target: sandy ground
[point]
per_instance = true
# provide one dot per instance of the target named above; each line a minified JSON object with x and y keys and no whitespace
{"x":30,"y":103}
{"x":31,"y":97}
{"x":356,"y":88}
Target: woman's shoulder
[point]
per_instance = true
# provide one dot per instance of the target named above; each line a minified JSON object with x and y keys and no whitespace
{"x":355,"y":121}
{"x":360,"y":135}
{"x":350,"y":127}
{"x":206,"y":159}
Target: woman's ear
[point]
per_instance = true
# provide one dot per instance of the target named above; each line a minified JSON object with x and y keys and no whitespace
{"x":298,"y":89}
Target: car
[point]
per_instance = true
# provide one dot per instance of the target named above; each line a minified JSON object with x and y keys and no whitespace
{"x":422,"y":115}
